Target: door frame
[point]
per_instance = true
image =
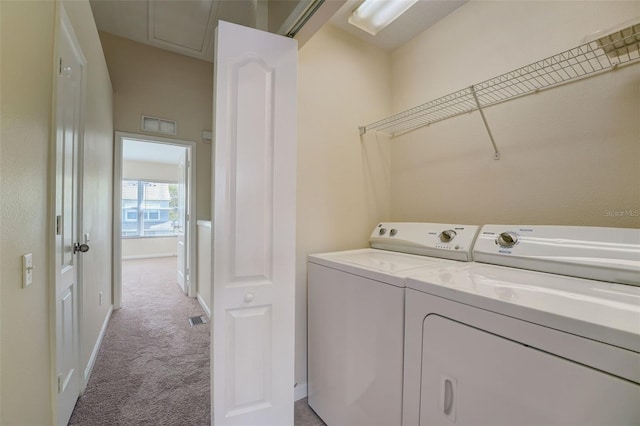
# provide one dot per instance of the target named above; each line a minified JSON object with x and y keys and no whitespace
{"x":117,"y":210}
{"x":63,"y":22}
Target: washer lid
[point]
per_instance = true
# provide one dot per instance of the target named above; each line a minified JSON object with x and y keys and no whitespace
{"x":606,"y":312}
{"x":381,"y":265}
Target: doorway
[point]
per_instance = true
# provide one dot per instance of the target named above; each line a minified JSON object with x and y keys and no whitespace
{"x":154,"y":197}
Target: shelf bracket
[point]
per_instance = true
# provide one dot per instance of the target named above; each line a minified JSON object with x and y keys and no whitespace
{"x":496,"y":153}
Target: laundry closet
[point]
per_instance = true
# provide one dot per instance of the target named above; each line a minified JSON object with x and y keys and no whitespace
{"x":568,"y":155}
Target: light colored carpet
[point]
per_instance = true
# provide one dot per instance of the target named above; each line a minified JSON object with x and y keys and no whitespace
{"x":153,"y":367}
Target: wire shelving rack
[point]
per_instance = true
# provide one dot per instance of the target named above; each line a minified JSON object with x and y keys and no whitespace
{"x":621,"y":47}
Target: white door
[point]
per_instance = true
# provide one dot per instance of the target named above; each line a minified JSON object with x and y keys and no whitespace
{"x":183,"y":261}
{"x":68,"y":125}
{"x":254,"y":227}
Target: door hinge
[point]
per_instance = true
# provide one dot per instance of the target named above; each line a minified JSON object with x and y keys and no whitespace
{"x":59,"y":383}
{"x":58,"y":225}
{"x":60,"y":66}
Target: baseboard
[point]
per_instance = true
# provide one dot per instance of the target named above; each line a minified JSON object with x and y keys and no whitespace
{"x":96,"y":347}
{"x":149,"y":256}
{"x":300,"y":391}
{"x":204,"y":306}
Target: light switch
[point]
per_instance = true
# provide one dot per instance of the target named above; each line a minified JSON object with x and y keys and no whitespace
{"x":27,"y":270}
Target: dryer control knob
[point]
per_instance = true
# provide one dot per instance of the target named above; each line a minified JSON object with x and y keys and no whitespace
{"x":448,"y":235}
{"x":507,"y":239}
{"x":382,"y":231}
{"x":393,"y":232}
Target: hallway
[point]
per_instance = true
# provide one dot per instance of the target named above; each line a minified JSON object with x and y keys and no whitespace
{"x":153,"y":366}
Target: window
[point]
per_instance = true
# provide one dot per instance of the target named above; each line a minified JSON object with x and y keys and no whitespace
{"x":150,"y":209}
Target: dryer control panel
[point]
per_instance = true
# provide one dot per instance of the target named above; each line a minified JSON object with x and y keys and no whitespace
{"x":448,"y":241}
{"x":606,"y":254}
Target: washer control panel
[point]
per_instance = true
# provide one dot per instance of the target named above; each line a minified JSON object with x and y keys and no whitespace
{"x":448,"y":241}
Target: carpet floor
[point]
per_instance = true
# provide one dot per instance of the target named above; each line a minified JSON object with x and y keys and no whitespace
{"x":153,"y":366}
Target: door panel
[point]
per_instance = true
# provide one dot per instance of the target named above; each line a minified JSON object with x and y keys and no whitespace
{"x":69,"y":86}
{"x":254,"y":227}
{"x":249,"y":359}
{"x":251,"y":170}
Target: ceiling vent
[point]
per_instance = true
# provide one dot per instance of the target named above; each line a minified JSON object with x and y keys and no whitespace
{"x":159,"y":125}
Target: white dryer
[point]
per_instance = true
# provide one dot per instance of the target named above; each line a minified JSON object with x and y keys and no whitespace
{"x":499,"y":345}
{"x":356,"y":319}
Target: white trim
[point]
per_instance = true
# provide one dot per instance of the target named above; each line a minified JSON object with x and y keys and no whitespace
{"x":117,"y":208}
{"x":96,"y":347}
{"x":149,"y":256}
{"x":300,"y":391}
{"x":204,"y":306}
{"x":117,"y":222}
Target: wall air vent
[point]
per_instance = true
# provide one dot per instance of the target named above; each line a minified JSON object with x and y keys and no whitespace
{"x":159,"y":125}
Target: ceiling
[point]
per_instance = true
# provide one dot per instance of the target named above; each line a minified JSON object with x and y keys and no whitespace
{"x":184,"y":27}
{"x":187,"y":26}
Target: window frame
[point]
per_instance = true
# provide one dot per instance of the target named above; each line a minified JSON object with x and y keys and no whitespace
{"x":140,"y":219}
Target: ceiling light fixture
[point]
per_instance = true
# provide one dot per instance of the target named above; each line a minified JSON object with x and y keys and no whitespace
{"x":373,"y":15}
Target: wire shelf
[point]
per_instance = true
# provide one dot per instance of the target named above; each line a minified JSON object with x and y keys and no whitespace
{"x":603,"y":54}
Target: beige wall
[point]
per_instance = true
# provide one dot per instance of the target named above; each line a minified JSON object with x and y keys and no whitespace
{"x":343,"y":186}
{"x":26,"y":84}
{"x":150,"y":81}
{"x":27,"y":67}
{"x":569,"y":154}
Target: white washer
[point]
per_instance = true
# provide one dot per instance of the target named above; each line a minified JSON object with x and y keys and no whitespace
{"x":356,"y":319}
{"x":496,"y":345}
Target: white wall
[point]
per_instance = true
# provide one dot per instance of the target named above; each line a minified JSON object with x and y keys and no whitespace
{"x":27,"y":68}
{"x":203,"y":280}
{"x":343,"y":182}
{"x":144,"y":248}
{"x":150,"y":171}
{"x":569,"y":154}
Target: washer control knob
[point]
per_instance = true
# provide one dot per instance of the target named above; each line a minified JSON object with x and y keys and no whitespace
{"x":393,"y":232}
{"x":382,"y":231}
{"x":448,"y":235}
{"x":507,"y":239}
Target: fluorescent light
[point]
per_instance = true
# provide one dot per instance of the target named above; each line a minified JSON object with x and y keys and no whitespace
{"x":373,"y":15}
